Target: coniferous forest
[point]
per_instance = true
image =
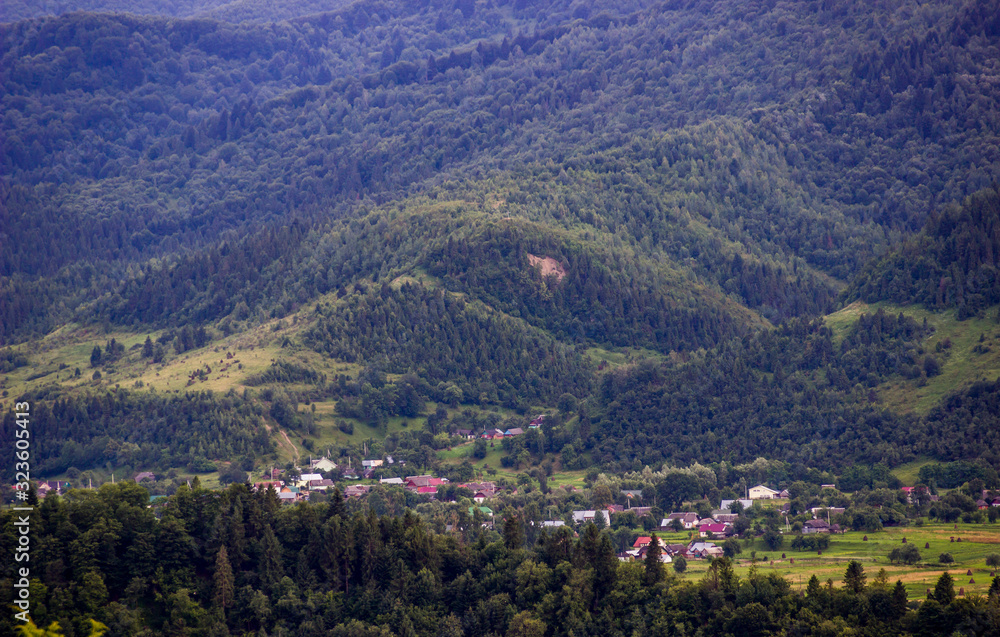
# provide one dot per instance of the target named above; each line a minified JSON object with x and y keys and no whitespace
{"x":716,"y":243}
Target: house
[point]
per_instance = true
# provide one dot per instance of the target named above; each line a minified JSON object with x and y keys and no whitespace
{"x":640,"y":554}
{"x":287,"y":497}
{"x":58,"y":486}
{"x":356,"y":490}
{"x":641,"y":541}
{"x":320,"y":484}
{"x":982,"y":504}
{"x":784,"y":494}
{"x":704,"y":550}
{"x":267,"y":484}
{"x":427,"y":490}
{"x":760,"y":492}
{"x":398,"y":481}
{"x":816,"y":526}
{"x":306,"y":478}
{"x":915,"y":493}
{"x":322,"y":464}
{"x":537,"y":421}
{"x":553,"y":523}
{"x":513,"y":431}
{"x":582,"y":517}
{"x":415,"y":482}
{"x":818,"y":512}
{"x":615,"y":508}
{"x":492,"y":434}
{"x":725,"y":518}
{"x":371,"y":464}
{"x":641,"y":511}
{"x":487,"y":488}
{"x":727,"y":505}
{"x":145,"y":475}
{"x":349,"y":474}
{"x":468,"y":434}
{"x":688,"y":520}
{"x":675,"y":549}
{"x":706,"y":530}
{"x":480,"y":490}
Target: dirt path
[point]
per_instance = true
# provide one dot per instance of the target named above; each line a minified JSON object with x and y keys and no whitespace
{"x":288,"y":442}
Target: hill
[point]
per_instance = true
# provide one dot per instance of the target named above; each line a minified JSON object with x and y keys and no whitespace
{"x":362,"y":195}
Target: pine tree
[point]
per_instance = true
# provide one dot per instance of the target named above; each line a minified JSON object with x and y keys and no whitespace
{"x":944,"y":590}
{"x":899,"y":600}
{"x":147,"y":348}
{"x":223,"y":582}
{"x":513,"y":534}
{"x":854,"y":578}
{"x":271,"y":569}
{"x":654,"y":566}
{"x":813,"y":588}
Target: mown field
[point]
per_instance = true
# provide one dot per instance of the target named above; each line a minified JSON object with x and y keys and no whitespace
{"x":977,"y":541}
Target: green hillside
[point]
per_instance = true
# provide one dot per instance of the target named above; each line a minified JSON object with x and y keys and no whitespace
{"x":632,"y":216}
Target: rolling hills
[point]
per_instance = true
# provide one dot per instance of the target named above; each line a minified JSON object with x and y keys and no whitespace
{"x":350,"y":204}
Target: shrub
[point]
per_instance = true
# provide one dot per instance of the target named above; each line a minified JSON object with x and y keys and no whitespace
{"x":907,"y":554}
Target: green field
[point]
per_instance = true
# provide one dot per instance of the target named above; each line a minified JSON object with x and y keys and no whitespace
{"x":970,"y":554}
{"x":963,"y":362}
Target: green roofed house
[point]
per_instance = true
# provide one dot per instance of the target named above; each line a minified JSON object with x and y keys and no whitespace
{"x":484,"y":510}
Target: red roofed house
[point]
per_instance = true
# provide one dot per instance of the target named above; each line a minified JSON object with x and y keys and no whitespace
{"x":642,"y":541}
{"x":711,"y":529}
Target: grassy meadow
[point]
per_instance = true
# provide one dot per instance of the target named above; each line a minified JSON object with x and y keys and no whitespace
{"x":977,"y":541}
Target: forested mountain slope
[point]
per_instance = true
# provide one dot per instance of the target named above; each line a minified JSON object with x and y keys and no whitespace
{"x":813,"y":135}
{"x":951,"y":263}
{"x":372,"y":188}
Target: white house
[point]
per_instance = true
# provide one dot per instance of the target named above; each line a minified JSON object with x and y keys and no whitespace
{"x":581,"y":517}
{"x":371,"y":464}
{"x":323,"y":464}
{"x":728,"y":504}
{"x":760,"y":492}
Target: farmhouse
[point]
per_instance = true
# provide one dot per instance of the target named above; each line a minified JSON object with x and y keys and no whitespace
{"x":760,"y":492}
{"x":581,"y":517}
{"x":689,"y":520}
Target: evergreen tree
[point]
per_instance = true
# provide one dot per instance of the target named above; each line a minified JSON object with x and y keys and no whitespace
{"x":653,"y":564}
{"x":944,"y":590}
{"x":147,"y":348}
{"x":95,"y":356}
{"x":222,"y":580}
{"x":854,"y":577}
{"x":271,"y":568}
{"x":899,"y":599}
{"x":513,"y":533}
